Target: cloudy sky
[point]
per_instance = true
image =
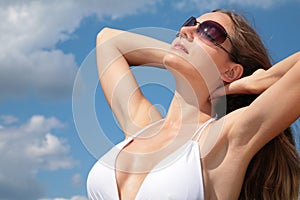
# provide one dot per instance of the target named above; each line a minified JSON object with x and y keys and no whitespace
{"x":44,"y":43}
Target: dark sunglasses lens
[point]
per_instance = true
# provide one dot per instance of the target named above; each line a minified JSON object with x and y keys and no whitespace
{"x":212,"y":31}
{"x":190,"y":22}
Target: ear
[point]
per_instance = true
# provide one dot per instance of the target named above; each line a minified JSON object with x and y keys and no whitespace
{"x":232,"y":73}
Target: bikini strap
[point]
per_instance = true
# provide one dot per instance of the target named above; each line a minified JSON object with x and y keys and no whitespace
{"x":202,"y":127}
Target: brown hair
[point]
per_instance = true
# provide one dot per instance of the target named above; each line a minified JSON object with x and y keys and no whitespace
{"x":274,"y":172}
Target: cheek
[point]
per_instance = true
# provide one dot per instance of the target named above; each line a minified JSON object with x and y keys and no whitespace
{"x":209,"y":63}
{"x":216,"y":55}
{"x":205,"y":58}
{"x":217,"y":59}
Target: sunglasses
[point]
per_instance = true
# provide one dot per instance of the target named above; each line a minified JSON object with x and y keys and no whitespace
{"x":210,"y":31}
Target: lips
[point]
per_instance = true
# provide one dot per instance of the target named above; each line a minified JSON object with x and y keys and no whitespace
{"x":180,"y":46}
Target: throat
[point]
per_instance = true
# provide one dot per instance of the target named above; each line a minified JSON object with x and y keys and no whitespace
{"x":183,"y":112}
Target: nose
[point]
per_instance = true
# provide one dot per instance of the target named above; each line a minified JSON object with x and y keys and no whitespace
{"x":188,"y":32}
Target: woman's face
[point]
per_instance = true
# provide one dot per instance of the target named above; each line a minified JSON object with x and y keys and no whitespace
{"x":217,"y":54}
{"x":194,"y":52}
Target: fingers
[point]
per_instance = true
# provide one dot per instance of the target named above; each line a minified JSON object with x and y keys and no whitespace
{"x":254,"y":84}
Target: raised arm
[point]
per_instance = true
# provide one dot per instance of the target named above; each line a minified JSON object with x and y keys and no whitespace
{"x":260,"y":80}
{"x":275,"y":109}
{"x":116,"y":52}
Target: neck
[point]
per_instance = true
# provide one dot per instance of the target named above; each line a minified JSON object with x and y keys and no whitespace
{"x":184,"y":110}
{"x":191,"y":102}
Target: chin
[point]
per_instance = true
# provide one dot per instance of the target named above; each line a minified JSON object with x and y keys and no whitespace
{"x":176,"y":61}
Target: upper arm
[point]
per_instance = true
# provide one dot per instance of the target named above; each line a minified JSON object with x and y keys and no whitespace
{"x":120,"y":88}
{"x":272,"y":112}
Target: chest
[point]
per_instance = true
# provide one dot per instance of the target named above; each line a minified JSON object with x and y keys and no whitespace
{"x":141,"y":154}
{"x":142,"y":159}
{"x":177,"y":176}
{"x":164,"y":167}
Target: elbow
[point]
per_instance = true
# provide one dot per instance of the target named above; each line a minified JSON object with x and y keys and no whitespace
{"x":102,"y":35}
{"x":298,"y":55}
{"x":297,"y":59}
{"x":107,"y":34}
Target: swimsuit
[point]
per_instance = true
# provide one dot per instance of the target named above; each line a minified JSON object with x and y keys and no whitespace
{"x":179,"y":178}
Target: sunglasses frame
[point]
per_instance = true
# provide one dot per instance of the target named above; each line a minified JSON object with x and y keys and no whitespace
{"x":192,"y":21}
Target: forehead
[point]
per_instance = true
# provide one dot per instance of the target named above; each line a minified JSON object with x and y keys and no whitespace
{"x":221,"y":18}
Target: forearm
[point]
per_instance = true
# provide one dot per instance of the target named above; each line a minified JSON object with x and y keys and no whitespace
{"x":136,"y":49}
{"x":261,"y":79}
{"x":116,"y":51}
{"x":272,"y":75}
{"x":274,"y":110}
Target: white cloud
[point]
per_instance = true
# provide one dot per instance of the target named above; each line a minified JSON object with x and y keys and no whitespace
{"x":27,"y":149}
{"x":76,"y":179}
{"x":78,"y":198}
{"x":72,"y":198}
{"x":8,"y":119}
{"x":261,"y":4}
{"x":205,"y":5}
{"x":30,"y":61}
{"x":30,"y":32}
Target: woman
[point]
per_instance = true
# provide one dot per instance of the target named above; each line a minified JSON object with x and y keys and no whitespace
{"x":200,"y":150}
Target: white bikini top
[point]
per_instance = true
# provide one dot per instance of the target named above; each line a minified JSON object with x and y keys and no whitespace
{"x":178,"y":176}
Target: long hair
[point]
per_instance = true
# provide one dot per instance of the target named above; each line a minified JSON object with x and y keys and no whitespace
{"x":274,"y":172}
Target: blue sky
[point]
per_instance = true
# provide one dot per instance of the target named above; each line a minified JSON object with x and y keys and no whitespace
{"x":44,"y":43}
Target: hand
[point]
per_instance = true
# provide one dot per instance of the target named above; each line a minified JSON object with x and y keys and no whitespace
{"x":254,"y":84}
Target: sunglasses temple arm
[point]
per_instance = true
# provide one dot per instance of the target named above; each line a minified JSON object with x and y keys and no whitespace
{"x":230,"y":54}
